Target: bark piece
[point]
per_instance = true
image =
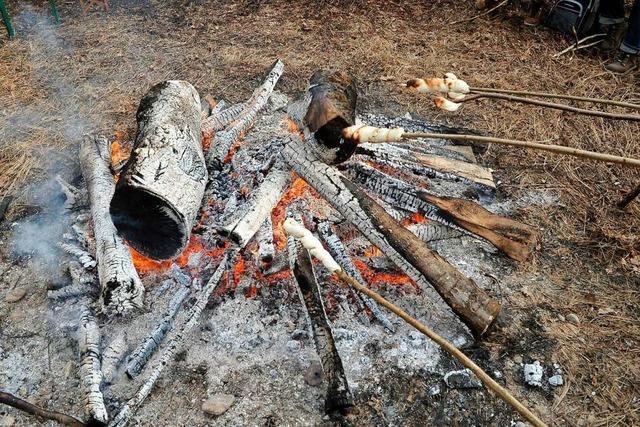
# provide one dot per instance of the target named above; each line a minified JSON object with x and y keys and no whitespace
{"x":472,"y":305}
{"x":90,"y":373}
{"x":160,"y":189}
{"x":338,"y":396}
{"x":121,"y":287}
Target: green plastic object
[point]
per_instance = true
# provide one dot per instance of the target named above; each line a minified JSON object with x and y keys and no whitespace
{"x":7,"y":20}
{"x":54,"y":11}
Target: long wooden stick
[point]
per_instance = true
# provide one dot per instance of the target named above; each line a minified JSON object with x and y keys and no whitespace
{"x":557,"y":96}
{"x":448,"y":347}
{"x":560,"y":149}
{"x":30,"y":408}
{"x":555,"y":106}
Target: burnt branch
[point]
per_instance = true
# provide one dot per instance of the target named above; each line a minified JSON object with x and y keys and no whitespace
{"x":15,"y":402}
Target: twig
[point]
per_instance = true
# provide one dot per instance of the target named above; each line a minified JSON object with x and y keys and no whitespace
{"x":563,"y":107}
{"x":630,"y":197}
{"x":23,"y":405}
{"x":557,"y":96}
{"x":499,"y":5}
{"x":576,"y":45}
{"x":448,"y":347}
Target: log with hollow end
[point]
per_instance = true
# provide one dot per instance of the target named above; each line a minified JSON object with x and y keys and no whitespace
{"x":470,"y":303}
{"x":339,"y":253}
{"x":121,"y":287}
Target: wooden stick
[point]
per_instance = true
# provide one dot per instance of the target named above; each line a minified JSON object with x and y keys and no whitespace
{"x":23,"y":405}
{"x":560,"y":149}
{"x":563,"y":107}
{"x":473,"y":18}
{"x":448,"y":347}
{"x":629,"y":197}
{"x":557,"y":96}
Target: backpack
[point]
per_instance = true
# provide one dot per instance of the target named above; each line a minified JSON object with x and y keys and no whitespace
{"x":573,"y":16}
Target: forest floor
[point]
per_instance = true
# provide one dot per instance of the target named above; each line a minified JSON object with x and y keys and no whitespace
{"x":88,"y":74}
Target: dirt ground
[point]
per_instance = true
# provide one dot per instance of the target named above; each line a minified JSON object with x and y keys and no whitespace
{"x":88,"y":74}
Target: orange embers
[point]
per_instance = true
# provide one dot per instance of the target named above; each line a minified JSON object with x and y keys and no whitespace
{"x":383,"y":278}
{"x":414,"y":218}
{"x":146,"y":265}
{"x":119,"y":152}
{"x":295,"y":191}
{"x":291,"y":126}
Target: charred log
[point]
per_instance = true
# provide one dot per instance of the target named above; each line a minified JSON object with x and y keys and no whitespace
{"x":266,"y":249}
{"x":161,"y":186}
{"x":474,"y":307}
{"x":113,"y":357}
{"x":338,"y":397}
{"x":220,"y":118}
{"x":90,"y":373}
{"x":121,"y":287}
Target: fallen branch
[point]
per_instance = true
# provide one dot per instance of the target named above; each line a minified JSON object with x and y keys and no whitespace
{"x":15,"y":402}
{"x":630,"y":197}
{"x":314,"y":247}
{"x":578,"y":44}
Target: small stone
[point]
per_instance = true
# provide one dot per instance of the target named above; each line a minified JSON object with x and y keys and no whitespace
{"x":463,"y":378}
{"x":517,"y":359}
{"x":561,"y":318}
{"x":15,"y":295}
{"x":218,"y":404}
{"x":533,"y":374}
{"x":497,"y":375}
{"x":8,"y":421}
{"x":313,"y":376}
{"x":556,"y":380}
{"x":573,"y":318}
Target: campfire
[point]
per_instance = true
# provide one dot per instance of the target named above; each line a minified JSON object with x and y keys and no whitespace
{"x":200,"y":197}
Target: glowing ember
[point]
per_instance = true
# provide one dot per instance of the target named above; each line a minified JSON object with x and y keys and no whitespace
{"x":372,"y":251}
{"x":295,"y":191}
{"x":291,"y":126}
{"x":238,"y":271}
{"x":414,"y":218}
{"x":381,"y":279}
{"x":119,"y":151}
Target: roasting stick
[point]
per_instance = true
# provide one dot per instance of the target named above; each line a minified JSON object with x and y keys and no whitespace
{"x":364,"y":133}
{"x":23,"y":405}
{"x":313,"y":245}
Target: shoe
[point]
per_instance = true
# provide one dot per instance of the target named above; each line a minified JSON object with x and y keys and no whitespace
{"x":623,"y":63}
{"x":615,"y":32}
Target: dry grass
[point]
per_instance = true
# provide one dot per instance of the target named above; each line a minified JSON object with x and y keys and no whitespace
{"x":90,"y":72}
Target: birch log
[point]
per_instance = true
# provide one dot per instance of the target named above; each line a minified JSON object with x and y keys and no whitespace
{"x":90,"y":373}
{"x":223,"y":140}
{"x":472,"y":305}
{"x":160,"y":189}
{"x":121,"y":287}
{"x":338,"y":397}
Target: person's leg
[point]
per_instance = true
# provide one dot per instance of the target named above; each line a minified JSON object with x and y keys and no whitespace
{"x":611,"y":12}
{"x":631,"y":42}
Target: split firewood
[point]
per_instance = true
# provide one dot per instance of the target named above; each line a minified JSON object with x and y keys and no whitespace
{"x":309,"y":242}
{"x":148,"y":347}
{"x":121,"y":287}
{"x":160,"y":189}
{"x":266,"y":249}
{"x":90,"y":373}
{"x":173,"y":346}
{"x":244,"y":225}
{"x":220,"y":118}
{"x":472,"y":305}
{"x":113,"y":356}
{"x":223,"y":140}
{"x":515,"y":239}
{"x":339,"y":253}
{"x":338,"y":397}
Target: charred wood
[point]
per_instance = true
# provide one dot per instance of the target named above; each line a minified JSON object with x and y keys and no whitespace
{"x":113,"y":356}
{"x":121,"y":287}
{"x":339,"y":253}
{"x":220,"y":118}
{"x":266,"y":249}
{"x":472,"y":305}
{"x":338,"y":396}
{"x":82,"y":256}
{"x":160,"y":189}
{"x":81,"y":283}
{"x":90,"y":373}
{"x":143,"y":353}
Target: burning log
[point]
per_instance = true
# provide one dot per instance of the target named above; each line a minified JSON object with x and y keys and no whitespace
{"x":266,"y":249}
{"x":148,"y":347}
{"x":175,"y":345}
{"x":516,"y":240}
{"x":332,"y":108}
{"x":338,"y":396}
{"x":122,"y":289}
{"x":474,"y":307}
{"x":225,"y":139}
{"x":339,"y":253}
{"x":245,"y":225}
{"x":429,"y":233}
{"x":113,"y":357}
{"x":220,"y":117}
{"x":161,"y":187}
{"x":90,"y":373}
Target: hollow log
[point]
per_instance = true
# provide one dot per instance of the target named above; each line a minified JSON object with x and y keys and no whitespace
{"x":90,"y":373}
{"x":160,"y":189}
{"x":148,"y":347}
{"x":472,"y":305}
{"x":338,"y":397}
{"x":121,"y":287}
{"x":339,"y":253}
{"x":514,"y":239}
{"x":223,"y":140}
{"x":246,"y":223}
